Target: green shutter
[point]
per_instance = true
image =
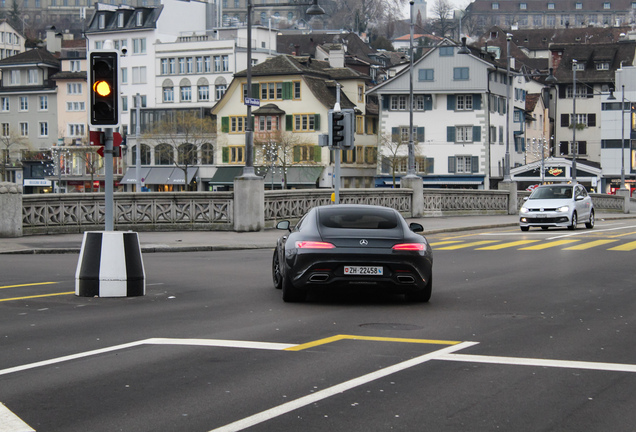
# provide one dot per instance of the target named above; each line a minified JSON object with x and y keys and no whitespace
{"x":289,"y":122}
{"x":256,"y":90}
{"x":428,"y":103}
{"x":430,"y":165}
{"x":476,"y":133}
{"x":451,"y":164}
{"x":287,"y":90}
{"x":317,"y":153}
{"x":226,"y":155}
{"x":420,"y":134}
{"x":317,"y":122}
{"x":474,"y":164}
{"x":386,"y":101}
{"x":450,"y":133}
{"x":225,"y":124}
{"x":450,"y":102}
{"x":477,"y":102}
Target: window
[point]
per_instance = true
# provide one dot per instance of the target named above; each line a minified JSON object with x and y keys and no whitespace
{"x":203,"y":93}
{"x":550,"y":6}
{"x":76,"y":129}
{"x":5,"y":103}
{"x":399,"y":103}
{"x":217,"y":63}
{"x":207,"y":63}
{"x":120,"y":19}
{"x":494,"y":6}
{"x":182,"y":65}
{"x":101,"y":21}
{"x":219,"y":90}
{"x":139,"y":75}
{"x":579,"y":66}
{"x":186,"y":93}
{"x":44,"y":129}
{"x":207,"y":154}
{"x":237,"y":154}
{"x":602,"y":66}
{"x":304,"y":122}
{"x":581,"y":92}
{"x":268,"y":123}
{"x":172,"y":69}
{"x":464,"y":103}
{"x":33,"y":76}
{"x":139,"y":46}
{"x":446,"y":51}
{"x":537,"y":20}
{"x":578,"y":5}
{"x":5,"y":130}
{"x":303,"y":153}
{"x":75,"y":106}
{"x":237,"y":124}
{"x":225,"y":63}
{"x":139,"y":19}
{"x":76,"y":66}
{"x":44,"y":103}
{"x":296,"y":89}
{"x":463,"y":134}
{"x":550,"y":21}
{"x":14,"y":77}
{"x":24,"y":129}
{"x":460,"y":73}
{"x":361,"y":93}
{"x":463,"y":164}
{"x":164,"y":66}
{"x":189,"y":65}
{"x":168,"y":94}
{"x":124,"y":103}
{"x":199,"y":62}
{"x":523,"y":6}
{"x":24,"y":103}
{"x":607,"y":5}
{"x":74,"y":88}
{"x":426,"y":74}
{"x":124,"y":75}
{"x":164,"y":154}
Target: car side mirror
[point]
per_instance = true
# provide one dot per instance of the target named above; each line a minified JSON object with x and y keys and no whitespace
{"x":415,"y":227}
{"x":526,"y":198}
{"x":283,"y":225}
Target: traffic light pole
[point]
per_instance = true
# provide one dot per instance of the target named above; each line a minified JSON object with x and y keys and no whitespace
{"x":108,"y":182}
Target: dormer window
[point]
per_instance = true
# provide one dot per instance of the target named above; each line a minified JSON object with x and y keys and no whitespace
{"x":101,"y":21}
{"x":495,"y":6}
{"x":579,"y":5}
{"x":120,"y":19}
{"x":607,"y":5}
{"x":602,"y":66}
{"x":523,"y":6}
{"x":139,"y":18}
{"x":579,"y":66}
{"x":551,"y":6}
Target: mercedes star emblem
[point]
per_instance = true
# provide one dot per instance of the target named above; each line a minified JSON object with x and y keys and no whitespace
{"x":364,"y":242}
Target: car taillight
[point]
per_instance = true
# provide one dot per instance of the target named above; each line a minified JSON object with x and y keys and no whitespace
{"x":409,"y":246}
{"x":314,"y":245}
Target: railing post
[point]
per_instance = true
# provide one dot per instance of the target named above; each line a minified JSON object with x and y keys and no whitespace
{"x":511,"y":187}
{"x":10,"y":210}
{"x":416,"y":184}
{"x":249,"y":204}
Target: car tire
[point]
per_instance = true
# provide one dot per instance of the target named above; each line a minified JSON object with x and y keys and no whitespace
{"x":291,"y":294}
{"x":572,"y":226}
{"x":277,"y":275}
{"x":423,"y":295}
{"x":590,"y":223}
{"x":524,"y":228}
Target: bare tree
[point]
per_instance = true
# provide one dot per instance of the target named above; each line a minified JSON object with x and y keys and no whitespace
{"x":363,"y":16}
{"x":442,"y":16}
{"x":394,"y":152}
{"x":187,"y":132}
{"x":280,"y":150}
{"x":10,"y":145}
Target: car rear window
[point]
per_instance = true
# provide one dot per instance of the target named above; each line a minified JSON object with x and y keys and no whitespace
{"x":552,"y":192}
{"x":357,"y":218}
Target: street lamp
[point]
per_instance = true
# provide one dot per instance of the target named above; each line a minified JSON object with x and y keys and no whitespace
{"x":410,"y":172}
{"x":574,"y":146}
{"x":508,"y":84}
{"x":314,"y":9}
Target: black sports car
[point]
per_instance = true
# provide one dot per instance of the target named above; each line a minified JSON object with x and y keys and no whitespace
{"x":353,"y":245}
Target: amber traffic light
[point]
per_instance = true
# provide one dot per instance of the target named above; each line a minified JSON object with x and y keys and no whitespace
{"x":104,"y":84}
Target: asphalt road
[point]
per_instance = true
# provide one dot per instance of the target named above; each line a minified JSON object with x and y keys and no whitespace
{"x":524,"y":332}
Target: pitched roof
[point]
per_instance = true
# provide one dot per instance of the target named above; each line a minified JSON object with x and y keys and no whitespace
{"x":540,"y":39}
{"x":37,"y":55}
{"x":590,"y":55}
{"x":305,"y":44}
{"x":292,"y":65}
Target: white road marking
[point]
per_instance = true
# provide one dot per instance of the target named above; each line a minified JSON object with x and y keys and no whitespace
{"x":338,"y":388}
{"x":220,"y":343}
{"x":582,"y":232}
{"x":10,"y":422}
{"x":614,"y":367}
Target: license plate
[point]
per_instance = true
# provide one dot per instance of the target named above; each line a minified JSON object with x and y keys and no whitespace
{"x":541,"y":216}
{"x":363,"y":271}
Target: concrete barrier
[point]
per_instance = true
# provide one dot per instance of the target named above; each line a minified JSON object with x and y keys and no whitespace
{"x":10,"y":210}
{"x":110,"y":265}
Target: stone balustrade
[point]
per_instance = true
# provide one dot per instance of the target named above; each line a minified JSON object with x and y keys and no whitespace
{"x":201,"y":211}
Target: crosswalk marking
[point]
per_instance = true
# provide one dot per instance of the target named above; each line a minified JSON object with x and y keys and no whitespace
{"x":445,"y":242}
{"x":589,"y":245}
{"x":625,"y":247}
{"x":508,"y":245}
{"x":548,"y":245}
{"x":467,"y":245}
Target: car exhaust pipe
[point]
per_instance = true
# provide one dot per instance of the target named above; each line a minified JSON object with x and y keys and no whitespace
{"x":318,"y":277}
{"x":407,"y":279}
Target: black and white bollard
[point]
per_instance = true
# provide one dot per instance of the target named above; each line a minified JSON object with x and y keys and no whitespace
{"x":110,"y":265}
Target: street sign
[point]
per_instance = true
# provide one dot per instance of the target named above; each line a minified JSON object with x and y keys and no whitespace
{"x":252,"y":101}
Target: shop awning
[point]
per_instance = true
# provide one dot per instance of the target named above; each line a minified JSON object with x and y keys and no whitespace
{"x":305,"y":176}
{"x":177,"y":177}
{"x":131,"y":175}
{"x":158,"y":175}
{"x":226,"y":175}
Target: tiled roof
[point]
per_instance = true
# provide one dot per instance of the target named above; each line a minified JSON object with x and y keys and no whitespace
{"x":540,"y":39}
{"x":37,"y":55}
{"x":69,"y":75}
{"x":293,"y":65}
{"x":559,"y":6}
{"x":590,"y":55}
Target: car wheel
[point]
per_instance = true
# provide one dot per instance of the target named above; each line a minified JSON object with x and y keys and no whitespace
{"x":291,"y":294}
{"x":590,"y":224}
{"x":574,"y":222}
{"x":423,"y":295}
{"x":276,"y":271}
{"x":524,"y":228}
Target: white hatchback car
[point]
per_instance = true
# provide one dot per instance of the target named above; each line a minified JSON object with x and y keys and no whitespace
{"x":557,"y":205}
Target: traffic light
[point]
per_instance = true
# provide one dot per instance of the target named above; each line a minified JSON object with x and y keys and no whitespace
{"x":336,"y":128}
{"x":104,"y":88}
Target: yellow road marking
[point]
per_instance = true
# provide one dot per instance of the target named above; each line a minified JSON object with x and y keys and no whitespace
{"x":507,"y":245}
{"x":589,"y":245}
{"x":444,"y":242}
{"x":548,"y":245}
{"x":625,"y":247}
{"x":367,"y":338}
{"x":37,"y":296}
{"x":467,"y":245}
{"x":25,"y":285}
